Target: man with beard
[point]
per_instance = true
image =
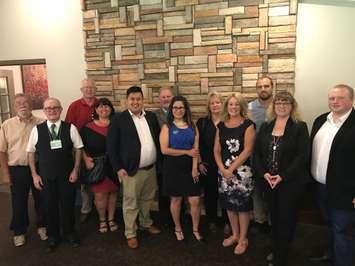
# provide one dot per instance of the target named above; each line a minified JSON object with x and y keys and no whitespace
{"x":14,"y":134}
{"x":258,"y":107}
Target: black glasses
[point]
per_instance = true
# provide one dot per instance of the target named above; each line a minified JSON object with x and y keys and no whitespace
{"x":54,"y":108}
{"x":175,"y":108}
{"x":282,"y":103}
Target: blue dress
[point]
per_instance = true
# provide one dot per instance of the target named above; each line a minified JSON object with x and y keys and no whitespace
{"x":177,"y":170}
{"x":235,"y":195}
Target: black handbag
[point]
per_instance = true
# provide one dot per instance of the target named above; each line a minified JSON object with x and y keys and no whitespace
{"x":97,"y":173}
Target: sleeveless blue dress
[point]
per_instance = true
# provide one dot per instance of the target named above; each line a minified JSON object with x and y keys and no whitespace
{"x":177,"y":170}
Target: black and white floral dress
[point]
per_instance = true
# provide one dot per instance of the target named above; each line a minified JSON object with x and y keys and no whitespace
{"x":235,"y":195}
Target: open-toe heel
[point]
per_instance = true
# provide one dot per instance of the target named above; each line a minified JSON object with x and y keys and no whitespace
{"x":113,"y":225}
{"x":103,"y":227}
{"x":198,"y":237}
{"x":230,"y":241}
{"x":241,"y":247}
{"x":179,"y":235}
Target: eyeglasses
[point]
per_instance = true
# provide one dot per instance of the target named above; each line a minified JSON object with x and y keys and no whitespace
{"x":175,"y":108}
{"x":52,"y":108}
{"x":282,"y":103}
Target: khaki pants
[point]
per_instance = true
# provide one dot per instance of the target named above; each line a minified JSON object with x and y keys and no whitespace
{"x":138,"y":195}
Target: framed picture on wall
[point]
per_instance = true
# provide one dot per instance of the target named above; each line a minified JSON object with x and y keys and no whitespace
{"x":35,"y":83}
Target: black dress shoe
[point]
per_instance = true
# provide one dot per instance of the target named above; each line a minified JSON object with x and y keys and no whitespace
{"x":322,"y":258}
{"x":73,"y":240}
{"x":84,"y":217}
{"x":52,"y":245}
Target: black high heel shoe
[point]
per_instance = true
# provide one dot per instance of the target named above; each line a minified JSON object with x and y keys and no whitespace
{"x":199,"y":239}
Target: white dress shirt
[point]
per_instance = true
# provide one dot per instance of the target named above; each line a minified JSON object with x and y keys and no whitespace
{"x":148,"y":149}
{"x":74,"y":136}
{"x":322,"y":144}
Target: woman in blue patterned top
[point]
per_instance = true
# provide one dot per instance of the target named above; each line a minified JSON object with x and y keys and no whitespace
{"x":233,"y":146}
{"x":179,"y":144}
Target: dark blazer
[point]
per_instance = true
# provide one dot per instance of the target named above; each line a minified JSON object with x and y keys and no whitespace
{"x":294,"y":153}
{"x":207,"y":131}
{"x":340,"y":172}
{"x":123,"y":145}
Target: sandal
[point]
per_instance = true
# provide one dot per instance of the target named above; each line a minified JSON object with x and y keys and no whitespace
{"x":241,"y":247}
{"x":198,"y":237}
{"x":230,"y":241}
{"x":103,"y":227}
{"x":113,"y":226}
{"x":179,"y":235}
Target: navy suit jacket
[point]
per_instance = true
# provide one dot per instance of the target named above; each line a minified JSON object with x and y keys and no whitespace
{"x":123,"y":144}
{"x":340,"y":178}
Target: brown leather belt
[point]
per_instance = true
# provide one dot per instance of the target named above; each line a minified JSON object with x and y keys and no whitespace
{"x":147,"y":167}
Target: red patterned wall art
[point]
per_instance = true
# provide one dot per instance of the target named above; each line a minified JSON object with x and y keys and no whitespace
{"x":35,"y":83}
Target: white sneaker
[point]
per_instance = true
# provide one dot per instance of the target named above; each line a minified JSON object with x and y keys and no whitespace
{"x":19,"y":240}
{"x":42,"y":232}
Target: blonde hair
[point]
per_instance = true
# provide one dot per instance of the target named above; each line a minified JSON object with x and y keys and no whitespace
{"x":244,"y":112}
{"x":209,"y":99}
{"x":283,"y":96}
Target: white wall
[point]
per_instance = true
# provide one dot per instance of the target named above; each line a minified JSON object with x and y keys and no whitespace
{"x":325,"y":54}
{"x":46,"y":29}
{"x":16,"y":70}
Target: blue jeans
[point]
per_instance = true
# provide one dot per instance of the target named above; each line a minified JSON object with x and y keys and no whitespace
{"x":341,"y":221}
{"x":341,"y":244}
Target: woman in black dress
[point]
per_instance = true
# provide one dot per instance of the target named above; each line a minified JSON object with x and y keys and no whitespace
{"x":280,"y":163}
{"x":207,"y":166}
{"x":179,"y":144}
{"x":94,"y":138}
{"x":233,"y":146}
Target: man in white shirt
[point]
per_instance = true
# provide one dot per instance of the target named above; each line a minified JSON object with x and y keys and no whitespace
{"x":133,"y":147}
{"x":54,"y":141}
{"x":333,"y":155}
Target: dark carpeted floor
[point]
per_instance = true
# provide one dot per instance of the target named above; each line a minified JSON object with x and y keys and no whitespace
{"x":111,"y":249}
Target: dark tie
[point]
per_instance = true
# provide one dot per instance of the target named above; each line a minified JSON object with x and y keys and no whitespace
{"x":53,"y":134}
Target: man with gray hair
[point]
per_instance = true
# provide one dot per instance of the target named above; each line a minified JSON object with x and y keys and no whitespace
{"x":79,"y":114}
{"x":14,"y":134}
{"x":332,"y":167}
{"x":54,"y":141}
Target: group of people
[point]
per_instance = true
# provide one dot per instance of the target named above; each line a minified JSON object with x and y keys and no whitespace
{"x":254,"y":159}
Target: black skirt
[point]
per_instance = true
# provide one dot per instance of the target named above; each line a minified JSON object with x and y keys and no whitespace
{"x":177,"y":177}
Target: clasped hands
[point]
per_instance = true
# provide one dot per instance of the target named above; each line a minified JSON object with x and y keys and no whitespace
{"x":273,"y":180}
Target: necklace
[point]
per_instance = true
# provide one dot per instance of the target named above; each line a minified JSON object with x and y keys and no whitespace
{"x":275,"y":143}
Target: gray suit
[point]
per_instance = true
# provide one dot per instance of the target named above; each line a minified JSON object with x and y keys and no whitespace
{"x":162,"y":116}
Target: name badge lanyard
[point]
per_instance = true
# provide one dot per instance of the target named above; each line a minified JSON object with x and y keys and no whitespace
{"x":55,"y":142}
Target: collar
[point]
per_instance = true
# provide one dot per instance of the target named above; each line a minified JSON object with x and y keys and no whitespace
{"x":338,"y":120}
{"x":139,"y":116}
{"x":83,"y":102}
{"x":25,"y":121}
{"x":58,"y":123}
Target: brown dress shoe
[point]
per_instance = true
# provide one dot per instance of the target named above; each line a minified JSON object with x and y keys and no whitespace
{"x":153,"y":230}
{"x":132,"y":242}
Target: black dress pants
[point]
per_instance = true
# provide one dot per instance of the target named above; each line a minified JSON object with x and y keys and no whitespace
{"x":59,"y":195}
{"x":164,"y":203}
{"x":283,"y":206}
{"x":210,"y":186}
{"x":21,"y":183}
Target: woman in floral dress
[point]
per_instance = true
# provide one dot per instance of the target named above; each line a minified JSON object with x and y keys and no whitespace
{"x":233,"y":146}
